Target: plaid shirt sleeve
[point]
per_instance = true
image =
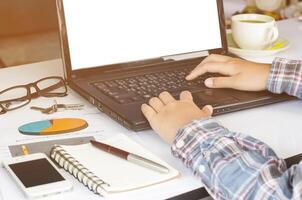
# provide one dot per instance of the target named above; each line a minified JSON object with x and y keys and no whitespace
{"x":286,"y":76}
{"x":235,"y":166}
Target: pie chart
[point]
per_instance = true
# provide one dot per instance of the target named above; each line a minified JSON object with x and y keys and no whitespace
{"x":53,"y":126}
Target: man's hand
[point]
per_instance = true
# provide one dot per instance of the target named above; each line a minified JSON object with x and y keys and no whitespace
{"x":240,"y":74}
{"x":167,"y":115}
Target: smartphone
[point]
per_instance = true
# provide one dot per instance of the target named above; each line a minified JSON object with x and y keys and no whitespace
{"x":37,"y":175}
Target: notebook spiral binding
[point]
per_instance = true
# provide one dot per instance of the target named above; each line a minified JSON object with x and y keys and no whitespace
{"x":70,"y":164}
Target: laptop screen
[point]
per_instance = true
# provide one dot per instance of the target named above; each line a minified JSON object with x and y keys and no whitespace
{"x":103,"y":32}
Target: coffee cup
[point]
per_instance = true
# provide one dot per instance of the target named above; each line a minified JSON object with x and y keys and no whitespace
{"x":254,"y":31}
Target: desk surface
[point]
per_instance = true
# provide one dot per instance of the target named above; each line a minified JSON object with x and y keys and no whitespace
{"x":278,"y":125}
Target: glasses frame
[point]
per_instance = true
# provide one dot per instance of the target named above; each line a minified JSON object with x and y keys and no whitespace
{"x":38,"y":93}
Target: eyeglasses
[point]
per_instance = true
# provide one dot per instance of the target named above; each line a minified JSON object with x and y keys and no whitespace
{"x":21,"y":95}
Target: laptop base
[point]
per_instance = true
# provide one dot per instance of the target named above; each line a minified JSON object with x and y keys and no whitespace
{"x":127,"y":112}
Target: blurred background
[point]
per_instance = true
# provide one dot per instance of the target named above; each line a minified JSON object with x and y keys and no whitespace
{"x":28,"y":32}
{"x":29,"y":28}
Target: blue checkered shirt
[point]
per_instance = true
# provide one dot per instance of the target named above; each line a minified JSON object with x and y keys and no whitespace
{"x":237,"y":166}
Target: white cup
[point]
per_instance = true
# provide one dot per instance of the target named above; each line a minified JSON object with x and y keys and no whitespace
{"x":254,"y":31}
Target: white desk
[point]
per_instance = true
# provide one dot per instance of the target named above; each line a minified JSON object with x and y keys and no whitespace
{"x":278,"y":125}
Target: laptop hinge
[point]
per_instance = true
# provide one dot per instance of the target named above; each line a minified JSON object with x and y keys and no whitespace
{"x":186,"y":56}
{"x":222,"y":51}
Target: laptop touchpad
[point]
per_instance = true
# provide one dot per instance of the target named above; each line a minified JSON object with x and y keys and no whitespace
{"x":214,"y":97}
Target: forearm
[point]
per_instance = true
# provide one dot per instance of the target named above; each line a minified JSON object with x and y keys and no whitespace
{"x":286,"y":76}
{"x":232,"y":165}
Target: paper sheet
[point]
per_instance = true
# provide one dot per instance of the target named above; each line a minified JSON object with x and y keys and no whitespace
{"x":4,"y":152}
{"x":100,"y":127}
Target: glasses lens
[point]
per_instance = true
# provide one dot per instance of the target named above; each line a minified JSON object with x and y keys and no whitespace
{"x":14,"y":98}
{"x":52,"y":86}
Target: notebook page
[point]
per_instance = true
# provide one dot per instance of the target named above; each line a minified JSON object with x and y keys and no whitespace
{"x":120,"y":174}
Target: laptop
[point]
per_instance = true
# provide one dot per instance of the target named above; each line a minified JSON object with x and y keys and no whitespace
{"x":120,"y":53}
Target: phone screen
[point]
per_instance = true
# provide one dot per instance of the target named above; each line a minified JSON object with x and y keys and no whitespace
{"x":36,"y":172}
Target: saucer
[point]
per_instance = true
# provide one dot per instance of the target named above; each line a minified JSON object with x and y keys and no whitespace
{"x":280,"y":45}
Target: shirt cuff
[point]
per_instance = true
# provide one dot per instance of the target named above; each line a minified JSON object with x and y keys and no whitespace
{"x":191,"y":139}
{"x":285,"y":76}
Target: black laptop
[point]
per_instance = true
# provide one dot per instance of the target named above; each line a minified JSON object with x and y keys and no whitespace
{"x":120,"y":53}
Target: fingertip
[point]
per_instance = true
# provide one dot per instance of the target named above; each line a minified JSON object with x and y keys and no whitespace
{"x":153,"y":99}
{"x":209,"y":82}
{"x":209,"y":108}
{"x":143,"y":107}
{"x":164,"y":93}
{"x":186,"y":95}
{"x":189,"y":77}
{"x":166,"y":97}
{"x":147,"y":111}
{"x":220,"y":82}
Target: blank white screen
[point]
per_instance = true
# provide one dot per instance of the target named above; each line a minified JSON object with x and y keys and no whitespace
{"x":102,"y":32}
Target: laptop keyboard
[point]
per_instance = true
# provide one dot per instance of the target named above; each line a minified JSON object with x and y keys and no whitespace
{"x":142,"y":87}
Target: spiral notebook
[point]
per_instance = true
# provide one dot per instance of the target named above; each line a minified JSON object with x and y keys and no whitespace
{"x":106,"y":174}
